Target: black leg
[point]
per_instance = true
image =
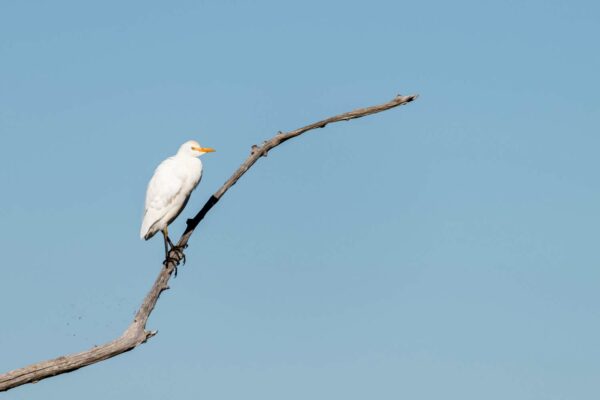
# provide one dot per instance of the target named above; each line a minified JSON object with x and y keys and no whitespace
{"x":168,"y":258}
{"x":177,"y":249}
{"x":170,"y":243}
{"x":166,"y":240}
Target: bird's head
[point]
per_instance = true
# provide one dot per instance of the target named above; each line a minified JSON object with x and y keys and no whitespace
{"x":193,"y":149}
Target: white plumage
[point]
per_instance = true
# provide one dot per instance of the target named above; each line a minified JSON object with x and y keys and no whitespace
{"x":170,"y":188}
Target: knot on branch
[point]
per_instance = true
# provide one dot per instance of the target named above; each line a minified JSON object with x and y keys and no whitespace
{"x":261,"y":150}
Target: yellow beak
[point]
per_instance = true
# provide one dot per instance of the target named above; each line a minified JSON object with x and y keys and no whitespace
{"x":204,"y":149}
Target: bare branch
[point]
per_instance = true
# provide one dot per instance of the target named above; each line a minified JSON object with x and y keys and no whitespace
{"x":136,"y":333}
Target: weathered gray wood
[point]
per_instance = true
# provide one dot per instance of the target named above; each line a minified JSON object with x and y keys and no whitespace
{"x":136,"y":333}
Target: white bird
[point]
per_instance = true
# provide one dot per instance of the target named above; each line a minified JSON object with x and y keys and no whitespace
{"x":169,"y":190}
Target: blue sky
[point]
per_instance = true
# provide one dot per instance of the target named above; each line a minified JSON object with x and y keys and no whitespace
{"x":447,"y":249}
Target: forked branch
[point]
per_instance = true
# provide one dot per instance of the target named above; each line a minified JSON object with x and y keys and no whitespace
{"x":136,"y":333}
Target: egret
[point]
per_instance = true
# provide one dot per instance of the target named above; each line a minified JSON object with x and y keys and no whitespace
{"x":169,"y":190}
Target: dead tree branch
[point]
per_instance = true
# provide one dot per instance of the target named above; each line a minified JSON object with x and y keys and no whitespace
{"x":136,"y":333}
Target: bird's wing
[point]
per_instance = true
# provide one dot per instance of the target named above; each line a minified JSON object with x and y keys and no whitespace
{"x":165,"y":191}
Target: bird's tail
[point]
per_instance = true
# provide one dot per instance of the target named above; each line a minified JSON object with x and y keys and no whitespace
{"x":148,"y":226}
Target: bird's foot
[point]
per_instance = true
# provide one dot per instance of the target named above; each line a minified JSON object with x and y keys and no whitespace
{"x":170,"y":260}
{"x":179,"y":252}
{"x":175,"y":256}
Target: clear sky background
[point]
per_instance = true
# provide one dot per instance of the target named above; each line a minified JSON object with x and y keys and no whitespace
{"x":444,"y":250}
